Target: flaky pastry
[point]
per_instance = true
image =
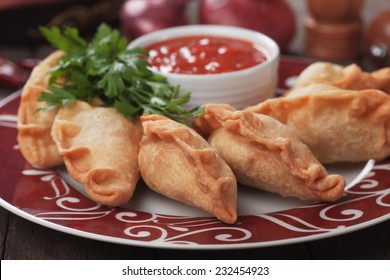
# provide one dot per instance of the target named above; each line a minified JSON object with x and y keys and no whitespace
{"x":265,"y":154}
{"x":34,"y":125}
{"x":337,"y":125}
{"x":351,"y":77}
{"x":100,"y":149}
{"x":177,"y":162}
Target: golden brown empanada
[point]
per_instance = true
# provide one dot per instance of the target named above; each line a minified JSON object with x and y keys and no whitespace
{"x":382,"y":77}
{"x":34,"y":126}
{"x":40,"y":74}
{"x":350,"y":77}
{"x":265,"y":154}
{"x":177,"y":162}
{"x":337,"y":125}
{"x":100,"y":150}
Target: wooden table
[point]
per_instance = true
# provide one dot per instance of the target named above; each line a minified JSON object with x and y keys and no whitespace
{"x":22,"y":239}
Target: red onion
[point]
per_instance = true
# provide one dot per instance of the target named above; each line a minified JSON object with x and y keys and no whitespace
{"x":143,"y":16}
{"x":271,"y":17}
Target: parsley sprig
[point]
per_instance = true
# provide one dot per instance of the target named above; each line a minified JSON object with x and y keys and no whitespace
{"x":107,"y":69}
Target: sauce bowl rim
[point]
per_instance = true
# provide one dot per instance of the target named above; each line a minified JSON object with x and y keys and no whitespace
{"x":268,"y":45}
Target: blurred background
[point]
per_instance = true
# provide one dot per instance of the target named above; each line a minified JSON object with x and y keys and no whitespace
{"x":341,"y":31}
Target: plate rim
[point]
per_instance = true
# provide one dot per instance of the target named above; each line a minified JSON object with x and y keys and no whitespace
{"x":129,"y":242}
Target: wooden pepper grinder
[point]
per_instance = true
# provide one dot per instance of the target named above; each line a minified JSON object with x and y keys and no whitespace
{"x":334,"y":29}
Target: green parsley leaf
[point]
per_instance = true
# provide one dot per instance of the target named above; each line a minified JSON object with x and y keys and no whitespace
{"x":57,"y":97}
{"x":68,"y":41}
{"x":105,"y":68}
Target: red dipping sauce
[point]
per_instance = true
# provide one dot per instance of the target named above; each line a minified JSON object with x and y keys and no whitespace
{"x":203,"y":54}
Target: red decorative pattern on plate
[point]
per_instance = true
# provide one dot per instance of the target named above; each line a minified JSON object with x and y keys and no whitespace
{"x":44,"y":197}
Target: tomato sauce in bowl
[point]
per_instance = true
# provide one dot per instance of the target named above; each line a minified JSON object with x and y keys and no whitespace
{"x":203,"y":54}
{"x":215,"y":63}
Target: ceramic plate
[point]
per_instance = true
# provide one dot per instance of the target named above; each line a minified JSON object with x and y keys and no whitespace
{"x":52,"y":199}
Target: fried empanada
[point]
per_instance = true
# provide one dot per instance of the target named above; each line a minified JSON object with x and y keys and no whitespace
{"x":265,"y":154}
{"x":337,"y":125}
{"x":100,"y":150}
{"x":40,"y":74}
{"x":34,"y":125}
{"x":351,"y":77}
{"x":178,"y":163}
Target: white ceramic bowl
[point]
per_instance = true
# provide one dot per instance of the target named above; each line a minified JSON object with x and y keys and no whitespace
{"x":239,"y":88}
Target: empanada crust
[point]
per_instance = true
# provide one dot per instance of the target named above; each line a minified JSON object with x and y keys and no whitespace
{"x":34,"y":125}
{"x":337,"y":125}
{"x":178,"y":163}
{"x":266,"y":154}
{"x":100,"y":150}
{"x":350,"y":77}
